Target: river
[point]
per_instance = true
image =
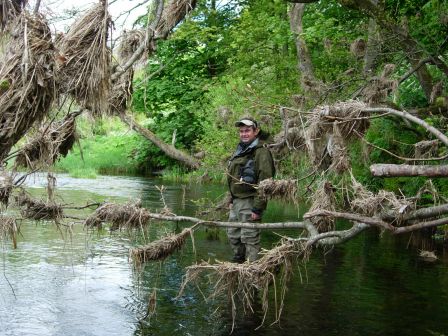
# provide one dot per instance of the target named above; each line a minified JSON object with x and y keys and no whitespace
{"x":69,"y":281}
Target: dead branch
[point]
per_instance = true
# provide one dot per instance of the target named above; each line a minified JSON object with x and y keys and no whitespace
{"x":419,"y":226}
{"x":169,"y":150}
{"x":403,"y":114}
{"x":373,"y":221}
{"x":394,"y":170}
{"x":270,"y":226}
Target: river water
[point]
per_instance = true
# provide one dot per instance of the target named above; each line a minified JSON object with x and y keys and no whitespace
{"x":74,"y":282}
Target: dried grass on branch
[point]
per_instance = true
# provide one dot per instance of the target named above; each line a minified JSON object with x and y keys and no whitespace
{"x":38,"y":209}
{"x":122,"y":216}
{"x":51,"y":143}
{"x":84,"y":67}
{"x":384,"y":202}
{"x":380,"y":87}
{"x":323,"y":199}
{"x":9,"y":229}
{"x":245,"y":281}
{"x":426,"y":149}
{"x":278,"y":189}
{"x":337,"y":149}
{"x":160,"y":249}
{"x":173,"y":13}
{"x":130,"y":40}
{"x":121,"y":92}
{"x":320,"y":126}
{"x":6,"y":186}
{"x":10,"y":9}
{"x":358,"y":47}
{"x":28,"y":74}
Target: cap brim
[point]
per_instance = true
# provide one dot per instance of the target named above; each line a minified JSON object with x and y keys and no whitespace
{"x":244,"y":123}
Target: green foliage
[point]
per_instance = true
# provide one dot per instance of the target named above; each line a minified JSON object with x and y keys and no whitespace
{"x":240,"y":59}
{"x":106,"y":147}
{"x":87,"y":172}
{"x":329,"y":29}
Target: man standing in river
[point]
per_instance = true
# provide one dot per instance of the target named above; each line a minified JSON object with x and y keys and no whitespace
{"x":251,"y":163}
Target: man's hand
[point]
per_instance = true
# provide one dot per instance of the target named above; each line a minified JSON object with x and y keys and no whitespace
{"x":255,"y":216}
{"x":230,"y":206}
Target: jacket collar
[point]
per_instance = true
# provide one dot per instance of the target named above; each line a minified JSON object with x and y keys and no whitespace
{"x":241,"y":149}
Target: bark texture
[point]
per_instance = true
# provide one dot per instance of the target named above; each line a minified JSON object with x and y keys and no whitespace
{"x":393,"y":170}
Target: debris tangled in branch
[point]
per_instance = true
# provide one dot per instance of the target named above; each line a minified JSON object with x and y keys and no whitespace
{"x":84,"y":60}
{"x":160,"y":249}
{"x":121,"y":92}
{"x":337,"y":149}
{"x":323,"y":199}
{"x":9,"y":229}
{"x":6,"y":185}
{"x":243,"y":281}
{"x":426,"y":149}
{"x":130,"y":40}
{"x":9,"y":9}
{"x":121,"y":216}
{"x":173,"y":13}
{"x":358,"y":47}
{"x":380,"y":87}
{"x":26,"y":79}
{"x":368,"y":203}
{"x":39,"y":209}
{"x":319,"y":128}
{"x":279,"y":189}
{"x":51,"y":143}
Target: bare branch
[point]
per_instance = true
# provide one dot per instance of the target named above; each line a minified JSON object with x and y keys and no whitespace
{"x":168,"y":149}
{"x":36,"y":7}
{"x":394,"y":170}
{"x":419,"y":226}
{"x":254,"y":225}
{"x":434,"y":131}
{"x":422,"y":213}
{"x":414,"y":69}
{"x":353,"y":217}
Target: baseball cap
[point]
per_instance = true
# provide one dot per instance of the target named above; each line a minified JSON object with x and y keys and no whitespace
{"x":246,"y":122}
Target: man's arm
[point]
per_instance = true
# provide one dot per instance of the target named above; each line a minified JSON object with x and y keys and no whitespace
{"x":264,"y":165}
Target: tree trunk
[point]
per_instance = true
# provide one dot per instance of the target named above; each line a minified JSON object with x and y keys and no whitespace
{"x":393,"y":170}
{"x":372,"y":48}
{"x":423,"y":75}
{"x":303,"y":57}
{"x":169,"y":150}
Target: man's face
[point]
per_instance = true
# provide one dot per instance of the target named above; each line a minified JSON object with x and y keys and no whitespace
{"x":248,"y":134}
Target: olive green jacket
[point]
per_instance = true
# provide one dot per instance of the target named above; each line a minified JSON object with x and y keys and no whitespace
{"x":263,"y":167}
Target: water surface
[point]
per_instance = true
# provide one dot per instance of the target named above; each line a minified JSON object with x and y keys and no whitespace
{"x":67,"y":281}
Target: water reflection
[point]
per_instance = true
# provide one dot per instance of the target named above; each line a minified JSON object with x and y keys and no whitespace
{"x":73,"y":282}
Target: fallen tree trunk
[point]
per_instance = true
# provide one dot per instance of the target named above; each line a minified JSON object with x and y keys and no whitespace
{"x":169,"y":150}
{"x":394,"y":170}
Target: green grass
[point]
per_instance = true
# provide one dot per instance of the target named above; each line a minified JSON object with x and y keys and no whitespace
{"x":113,"y":154}
{"x":89,"y":173}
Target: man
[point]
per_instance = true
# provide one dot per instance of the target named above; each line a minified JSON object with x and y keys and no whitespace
{"x":251,"y":163}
